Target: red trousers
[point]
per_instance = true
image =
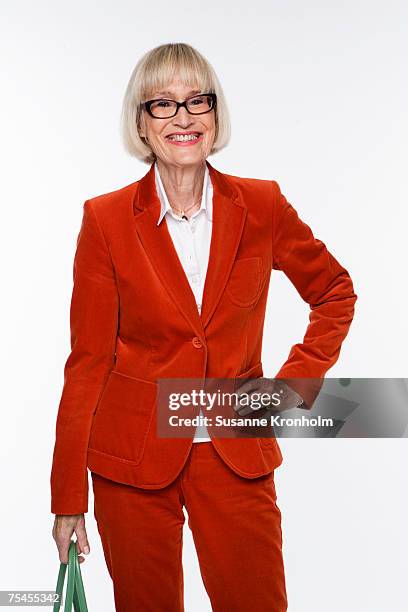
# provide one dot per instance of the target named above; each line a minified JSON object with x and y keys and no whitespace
{"x":236,"y":527}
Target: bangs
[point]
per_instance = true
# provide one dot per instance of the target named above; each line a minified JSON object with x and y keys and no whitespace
{"x":165,"y":63}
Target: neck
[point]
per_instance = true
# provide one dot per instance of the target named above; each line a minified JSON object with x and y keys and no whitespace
{"x":183,"y":185}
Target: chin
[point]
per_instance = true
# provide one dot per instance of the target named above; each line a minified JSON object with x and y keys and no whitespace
{"x":187,"y":159}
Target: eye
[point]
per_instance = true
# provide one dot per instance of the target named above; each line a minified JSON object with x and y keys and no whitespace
{"x":197,"y":101}
{"x":162,"y":103}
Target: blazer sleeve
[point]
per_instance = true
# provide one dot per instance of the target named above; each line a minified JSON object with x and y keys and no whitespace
{"x":324,"y":284}
{"x":93,"y":323}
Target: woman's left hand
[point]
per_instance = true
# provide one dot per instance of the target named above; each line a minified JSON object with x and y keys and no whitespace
{"x":263,"y":393}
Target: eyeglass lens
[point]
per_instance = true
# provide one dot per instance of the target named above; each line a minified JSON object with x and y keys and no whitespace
{"x":167,"y":108}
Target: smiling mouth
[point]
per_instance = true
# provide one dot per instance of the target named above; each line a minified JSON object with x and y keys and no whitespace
{"x":184,"y":137}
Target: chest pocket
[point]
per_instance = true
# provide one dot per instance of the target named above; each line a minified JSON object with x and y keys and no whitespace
{"x":244,"y":284}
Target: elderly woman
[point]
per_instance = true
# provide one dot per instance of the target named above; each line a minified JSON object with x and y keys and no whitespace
{"x":171,"y":277}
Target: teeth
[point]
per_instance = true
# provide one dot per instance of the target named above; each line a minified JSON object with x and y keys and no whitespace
{"x":183,"y":137}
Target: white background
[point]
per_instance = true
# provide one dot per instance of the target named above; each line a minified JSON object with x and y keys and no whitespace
{"x":318,"y":99}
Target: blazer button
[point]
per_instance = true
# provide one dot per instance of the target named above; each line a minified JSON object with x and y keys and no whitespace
{"x":196,"y":342}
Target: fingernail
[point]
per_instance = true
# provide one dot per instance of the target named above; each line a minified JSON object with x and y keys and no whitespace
{"x":86,"y":550}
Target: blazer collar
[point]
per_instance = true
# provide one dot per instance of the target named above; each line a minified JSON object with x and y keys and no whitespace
{"x":229,"y":214}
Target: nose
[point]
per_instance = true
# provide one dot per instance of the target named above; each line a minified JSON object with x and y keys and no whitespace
{"x":183,"y":118}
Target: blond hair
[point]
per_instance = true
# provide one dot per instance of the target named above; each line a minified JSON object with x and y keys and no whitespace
{"x":154,"y":71}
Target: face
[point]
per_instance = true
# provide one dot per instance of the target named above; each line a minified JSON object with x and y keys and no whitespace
{"x":159,"y":132}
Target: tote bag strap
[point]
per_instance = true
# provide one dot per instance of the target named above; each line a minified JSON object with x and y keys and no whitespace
{"x":75,"y":593}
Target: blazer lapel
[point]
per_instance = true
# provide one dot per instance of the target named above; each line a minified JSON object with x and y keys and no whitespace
{"x":229,"y":215}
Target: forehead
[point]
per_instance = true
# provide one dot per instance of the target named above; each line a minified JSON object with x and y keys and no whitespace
{"x":174,"y":91}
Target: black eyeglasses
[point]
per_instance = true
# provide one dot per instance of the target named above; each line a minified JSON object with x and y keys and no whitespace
{"x":196,"y":105}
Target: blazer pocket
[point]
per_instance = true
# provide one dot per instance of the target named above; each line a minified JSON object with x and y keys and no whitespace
{"x":253,"y":372}
{"x":244,"y":284}
{"x":123,"y":416}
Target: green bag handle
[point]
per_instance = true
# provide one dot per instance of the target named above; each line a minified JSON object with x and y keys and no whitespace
{"x":75,"y":593}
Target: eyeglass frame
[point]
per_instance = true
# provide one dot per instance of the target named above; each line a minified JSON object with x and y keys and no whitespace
{"x":146,"y":105}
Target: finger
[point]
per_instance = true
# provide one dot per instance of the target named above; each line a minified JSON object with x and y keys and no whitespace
{"x":79,"y":551}
{"x":242,"y":406}
{"x":245,"y":411}
{"x":63,"y":548}
{"x":62,"y":536}
{"x":242,"y":400}
{"x":247,"y":405}
{"x":82,"y":539}
{"x":247,"y":386}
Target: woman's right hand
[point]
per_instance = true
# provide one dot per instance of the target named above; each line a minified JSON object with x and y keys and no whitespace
{"x":64,"y":526}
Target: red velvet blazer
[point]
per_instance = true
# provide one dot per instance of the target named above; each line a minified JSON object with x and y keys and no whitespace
{"x":134,"y":319}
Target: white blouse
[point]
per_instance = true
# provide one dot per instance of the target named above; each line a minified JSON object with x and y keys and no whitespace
{"x":192,"y":239}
